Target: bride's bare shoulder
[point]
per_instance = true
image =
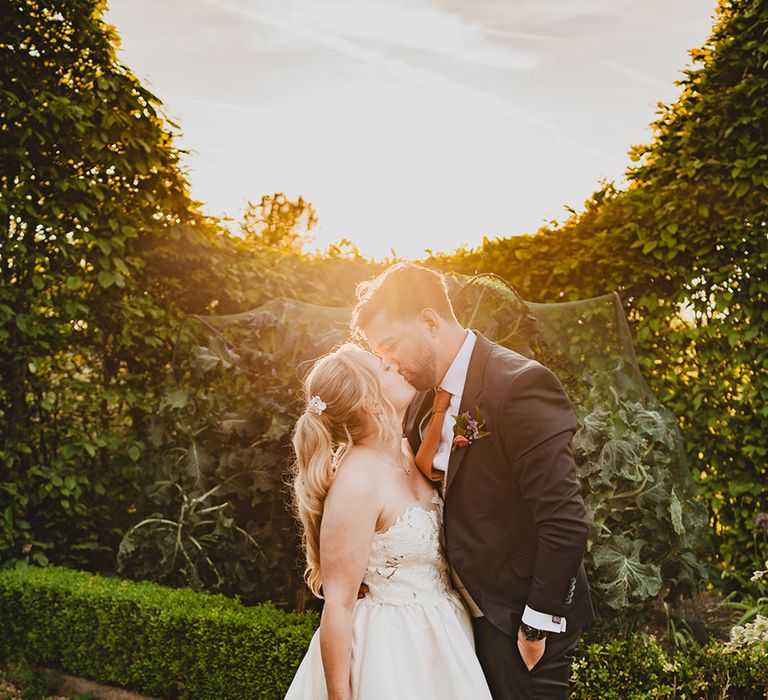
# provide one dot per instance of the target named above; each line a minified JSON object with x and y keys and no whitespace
{"x":357,"y":475}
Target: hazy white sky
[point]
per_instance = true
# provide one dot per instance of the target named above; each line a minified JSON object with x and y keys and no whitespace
{"x":410,"y":124}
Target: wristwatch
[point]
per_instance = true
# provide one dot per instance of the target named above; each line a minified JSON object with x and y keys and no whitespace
{"x":532,"y":634}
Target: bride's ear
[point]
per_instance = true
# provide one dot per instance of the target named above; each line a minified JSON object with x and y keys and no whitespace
{"x":373,"y":410}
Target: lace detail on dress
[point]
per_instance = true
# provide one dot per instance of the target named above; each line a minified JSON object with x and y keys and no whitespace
{"x":406,"y":564}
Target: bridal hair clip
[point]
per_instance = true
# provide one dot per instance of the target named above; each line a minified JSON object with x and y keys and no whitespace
{"x":316,"y":405}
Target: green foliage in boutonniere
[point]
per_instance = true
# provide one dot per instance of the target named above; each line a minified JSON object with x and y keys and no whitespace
{"x":468,"y":429}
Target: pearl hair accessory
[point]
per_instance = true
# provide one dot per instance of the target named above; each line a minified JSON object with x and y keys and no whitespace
{"x":316,"y":405}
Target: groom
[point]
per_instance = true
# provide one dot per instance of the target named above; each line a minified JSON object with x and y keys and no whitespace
{"x":515,"y":523}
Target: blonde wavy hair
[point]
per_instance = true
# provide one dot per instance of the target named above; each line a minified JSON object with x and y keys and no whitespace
{"x":355,"y":407}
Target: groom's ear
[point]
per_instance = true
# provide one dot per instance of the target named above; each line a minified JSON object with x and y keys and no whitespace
{"x":430,"y":319}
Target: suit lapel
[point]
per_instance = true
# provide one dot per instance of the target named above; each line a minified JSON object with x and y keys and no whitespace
{"x":473,"y":387}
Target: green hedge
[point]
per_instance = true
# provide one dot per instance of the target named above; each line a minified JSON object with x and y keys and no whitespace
{"x":175,"y":643}
{"x":638,"y":668}
{"x":171,"y":643}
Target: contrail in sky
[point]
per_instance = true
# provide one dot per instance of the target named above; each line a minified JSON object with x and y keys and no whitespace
{"x":417,"y":76}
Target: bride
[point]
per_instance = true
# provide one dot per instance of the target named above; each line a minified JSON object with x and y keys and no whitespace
{"x":370,"y":517}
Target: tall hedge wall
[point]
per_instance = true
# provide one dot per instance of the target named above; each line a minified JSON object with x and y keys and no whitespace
{"x":685,"y":243}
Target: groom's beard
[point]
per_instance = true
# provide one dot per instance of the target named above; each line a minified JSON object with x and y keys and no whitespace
{"x":421,"y":374}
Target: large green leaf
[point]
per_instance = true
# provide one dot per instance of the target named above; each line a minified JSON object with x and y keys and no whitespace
{"x":624,"y":577}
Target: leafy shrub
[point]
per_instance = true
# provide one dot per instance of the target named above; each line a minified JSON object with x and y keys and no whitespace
{"x":637,"y":668}
{"x":165,"y":642}
{"x":645,"y":527}
{"x":752,"y":629}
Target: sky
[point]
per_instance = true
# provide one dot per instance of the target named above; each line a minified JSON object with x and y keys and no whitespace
{"x":410,"y":125}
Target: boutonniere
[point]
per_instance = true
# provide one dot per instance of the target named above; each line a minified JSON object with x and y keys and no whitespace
{"x":468,"y":429}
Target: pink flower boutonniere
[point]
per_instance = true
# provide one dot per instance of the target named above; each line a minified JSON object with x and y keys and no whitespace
{"x":468,"y":429}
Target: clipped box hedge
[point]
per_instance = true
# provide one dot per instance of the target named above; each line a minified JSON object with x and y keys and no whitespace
{"x":171,"y":643}
{"x":638,"y":668}
{"x":175,"y":643}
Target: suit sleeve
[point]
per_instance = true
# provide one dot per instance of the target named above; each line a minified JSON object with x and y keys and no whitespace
{"x":538,"y":423}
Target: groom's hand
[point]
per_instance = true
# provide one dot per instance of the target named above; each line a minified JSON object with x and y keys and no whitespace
{"x":531,"y":652}
{"x":362,"y":591}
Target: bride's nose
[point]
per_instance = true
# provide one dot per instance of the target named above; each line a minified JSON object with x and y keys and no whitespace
{"x":392,"y":367}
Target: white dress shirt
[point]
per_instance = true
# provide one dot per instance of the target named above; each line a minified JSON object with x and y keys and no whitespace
{"x":453,"y":381}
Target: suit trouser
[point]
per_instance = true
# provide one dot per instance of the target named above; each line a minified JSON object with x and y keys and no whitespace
{"x":507,"y":675}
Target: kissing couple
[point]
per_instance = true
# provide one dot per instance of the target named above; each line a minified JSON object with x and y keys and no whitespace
{"x":443,"y":523}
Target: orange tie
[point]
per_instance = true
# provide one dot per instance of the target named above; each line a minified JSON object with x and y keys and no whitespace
{"x":431,"y":440}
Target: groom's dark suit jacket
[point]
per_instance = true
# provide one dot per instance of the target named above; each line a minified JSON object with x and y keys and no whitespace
{"x":515,"y":523}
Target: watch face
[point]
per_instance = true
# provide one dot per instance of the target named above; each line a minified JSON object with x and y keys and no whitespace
{"x":531,"y":633}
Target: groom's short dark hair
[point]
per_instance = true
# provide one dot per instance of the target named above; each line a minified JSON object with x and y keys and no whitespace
{"x":402,"y":291}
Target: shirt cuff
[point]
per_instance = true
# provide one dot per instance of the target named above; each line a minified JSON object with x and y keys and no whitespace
{"x":542,"y":621}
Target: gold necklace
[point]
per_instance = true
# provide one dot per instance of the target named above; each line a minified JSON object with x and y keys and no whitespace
{"x":383,"y":456}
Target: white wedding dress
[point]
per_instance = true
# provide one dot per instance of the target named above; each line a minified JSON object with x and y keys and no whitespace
{"x":412,"y":637}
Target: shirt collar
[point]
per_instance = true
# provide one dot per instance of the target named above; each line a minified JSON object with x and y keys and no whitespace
{"x":456,"y":375}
